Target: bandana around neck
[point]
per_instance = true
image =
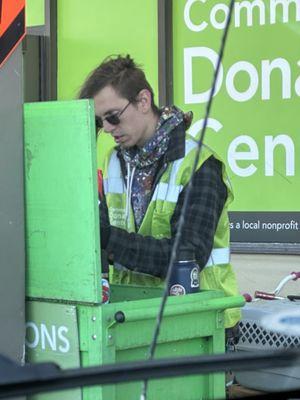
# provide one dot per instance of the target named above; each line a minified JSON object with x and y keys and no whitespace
{"x":142,"y":162}
{"x":156,"y":146}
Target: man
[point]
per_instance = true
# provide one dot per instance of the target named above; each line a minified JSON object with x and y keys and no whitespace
{"x":145,"y":178}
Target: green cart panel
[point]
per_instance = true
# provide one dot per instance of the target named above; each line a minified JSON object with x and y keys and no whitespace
{"x":52,"y":334}
{"x":62,"y":222}
{"x":192,"y":325}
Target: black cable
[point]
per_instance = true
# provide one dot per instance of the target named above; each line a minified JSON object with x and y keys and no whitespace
{"x":186,"y":201}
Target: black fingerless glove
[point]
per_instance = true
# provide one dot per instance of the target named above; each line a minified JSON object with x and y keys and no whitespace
{"x":104,"y":224}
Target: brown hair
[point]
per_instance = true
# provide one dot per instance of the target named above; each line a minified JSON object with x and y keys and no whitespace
{"x":123,"y":74}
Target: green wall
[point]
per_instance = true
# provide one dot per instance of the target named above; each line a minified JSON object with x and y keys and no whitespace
{"x":87,"y":32}
{"x":35,"y":12}
{"x":90,"y":31}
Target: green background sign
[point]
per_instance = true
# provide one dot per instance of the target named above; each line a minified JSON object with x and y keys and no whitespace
{"x":253,"y":123}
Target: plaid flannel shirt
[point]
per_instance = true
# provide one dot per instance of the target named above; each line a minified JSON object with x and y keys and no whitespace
{"x":148,"y":255}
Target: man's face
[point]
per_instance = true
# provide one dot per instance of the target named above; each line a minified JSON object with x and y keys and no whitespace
{"x":131,"y":130}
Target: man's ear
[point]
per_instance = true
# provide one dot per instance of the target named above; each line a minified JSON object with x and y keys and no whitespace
{"x":144,"y":99}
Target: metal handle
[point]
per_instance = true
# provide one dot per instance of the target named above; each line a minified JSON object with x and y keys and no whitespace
{"x":266,"y":296}
{"x":214,"y":304}
{"x":297,"y":275}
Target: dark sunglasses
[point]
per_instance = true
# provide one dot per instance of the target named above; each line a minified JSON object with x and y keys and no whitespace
{"x":113,"y":119}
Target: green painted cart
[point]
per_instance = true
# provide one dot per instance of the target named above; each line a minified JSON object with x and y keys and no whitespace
{"x":66,"y":322}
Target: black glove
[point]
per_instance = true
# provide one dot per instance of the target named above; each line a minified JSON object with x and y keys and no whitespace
{"x":104,"y":262}
{"x":104,"y":224}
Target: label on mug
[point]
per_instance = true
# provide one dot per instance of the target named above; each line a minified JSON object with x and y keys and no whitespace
{"x":177,"y":290}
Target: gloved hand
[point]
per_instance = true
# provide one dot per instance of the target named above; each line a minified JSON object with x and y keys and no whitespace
{"x":104,"y":224}
{"x":104,"y":263}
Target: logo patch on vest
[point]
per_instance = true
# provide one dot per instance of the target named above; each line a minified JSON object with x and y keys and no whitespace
{"x":117,"y":217}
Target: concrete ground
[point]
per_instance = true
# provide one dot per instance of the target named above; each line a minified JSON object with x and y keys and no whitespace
{"x":264,"y":272}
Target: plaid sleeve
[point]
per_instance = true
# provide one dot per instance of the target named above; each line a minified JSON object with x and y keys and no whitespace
{"x":203,"y":212}
{"x":148,"y":255}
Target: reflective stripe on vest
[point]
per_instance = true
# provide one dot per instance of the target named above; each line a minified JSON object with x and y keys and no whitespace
{"x":114,"y":183}
{"x":218,"y":256}
{"x":164,"y":191}
{"x":170,"y":191}
{"x":167,"y":192}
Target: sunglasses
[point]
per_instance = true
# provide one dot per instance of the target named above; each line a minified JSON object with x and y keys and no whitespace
{"x":113,"y":119}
